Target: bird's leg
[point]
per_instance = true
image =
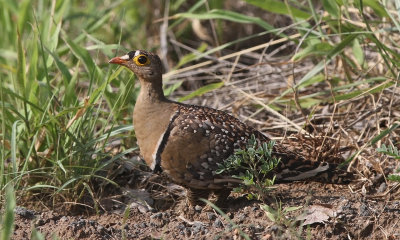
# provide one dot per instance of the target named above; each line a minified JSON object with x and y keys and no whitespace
{"x":194,"y":195}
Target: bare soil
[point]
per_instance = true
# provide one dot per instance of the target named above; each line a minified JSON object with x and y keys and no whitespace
{"x":156,"y":209}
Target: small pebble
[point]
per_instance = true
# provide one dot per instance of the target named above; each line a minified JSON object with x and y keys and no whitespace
{"x":198,"y":208}
{"x":364,"y":211}
{"x":181,"y":226}
{"x":274,"y":228}
{"x":101,"y":228}
{"x":211,"y":216}
{"x":197,"y":227}
{"x":187,"y":232}
{"x":156,"y":215}
{"x":218,"y":223}
{"x":382,"y":187}
{"x":142,"y":225}
{"x":241,"y":217}
{"x":25,"y":213}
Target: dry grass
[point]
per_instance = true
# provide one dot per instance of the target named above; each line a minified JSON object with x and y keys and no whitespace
{"x":254,"y":93}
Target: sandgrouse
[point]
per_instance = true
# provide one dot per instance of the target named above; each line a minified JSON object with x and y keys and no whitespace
{"x":188,"y":142}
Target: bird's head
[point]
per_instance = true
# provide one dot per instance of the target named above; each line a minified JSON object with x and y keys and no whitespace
{"x":147,"y":66}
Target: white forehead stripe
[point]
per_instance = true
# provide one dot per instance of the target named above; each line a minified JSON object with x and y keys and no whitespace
{"x":125,"y":57}
{"x":137,"y":53}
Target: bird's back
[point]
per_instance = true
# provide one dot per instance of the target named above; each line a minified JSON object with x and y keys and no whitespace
{"x":202,"y":138}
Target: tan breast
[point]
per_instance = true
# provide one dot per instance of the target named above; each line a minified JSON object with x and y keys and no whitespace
{"x":150,"y":124}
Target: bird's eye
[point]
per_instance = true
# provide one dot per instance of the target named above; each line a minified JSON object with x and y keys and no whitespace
{"x":141,"y":60}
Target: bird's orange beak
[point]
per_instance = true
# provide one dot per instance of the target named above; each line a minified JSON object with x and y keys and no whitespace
{"x":119,"y":60}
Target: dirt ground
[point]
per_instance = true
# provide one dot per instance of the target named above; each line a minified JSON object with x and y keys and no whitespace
{"x":150,"y":207}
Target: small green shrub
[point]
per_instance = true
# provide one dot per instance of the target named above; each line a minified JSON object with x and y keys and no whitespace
{"x":252,"y":165}
{"x":278,"y":215}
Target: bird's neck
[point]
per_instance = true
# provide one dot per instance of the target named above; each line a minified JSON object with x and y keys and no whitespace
{"x":151,"y":116}
{"x":151,"y":92}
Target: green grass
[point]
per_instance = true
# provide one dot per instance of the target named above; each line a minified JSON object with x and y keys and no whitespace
{"x":59,"y":111}
{"x":62,"y":104}
{"x":279,"y":216}
{"x":391,"y":151}
{"x":7,"y":220}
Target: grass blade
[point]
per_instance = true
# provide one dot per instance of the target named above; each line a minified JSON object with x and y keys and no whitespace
{"x":320,"y":66}
{"x":384,"y":133}
{"x":227,"y":15}
{"x":8,"y":223}
{"x":279,"y":7}
{"x":21,"y":68}
{"x":84,"y":56}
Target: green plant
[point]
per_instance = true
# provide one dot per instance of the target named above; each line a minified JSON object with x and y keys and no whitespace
{"x":391,"y":151}
{"x":7,"y":220}
{"x":36,"y":235}
{"x":252,"y":165}
{"x":56,"y":97}
{"x":278,"y":215}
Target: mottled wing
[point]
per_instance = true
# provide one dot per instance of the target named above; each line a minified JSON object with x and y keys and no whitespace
{"x":208,"y":137}
{"x":200,"y":138}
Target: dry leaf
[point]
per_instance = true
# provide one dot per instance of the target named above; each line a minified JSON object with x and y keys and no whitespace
{"x":316,"y":214}
{"x":79,"y":113}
